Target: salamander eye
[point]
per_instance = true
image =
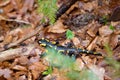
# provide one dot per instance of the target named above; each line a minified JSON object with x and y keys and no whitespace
{"x":39,"y":42}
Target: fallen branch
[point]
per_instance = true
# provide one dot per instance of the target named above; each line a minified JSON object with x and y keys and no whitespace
{"x":12,"y":53}
{"x":37,"y":30}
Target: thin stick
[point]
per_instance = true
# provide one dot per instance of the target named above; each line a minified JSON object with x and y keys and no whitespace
{"x":12,"y":53}
{"x":37,"y":30}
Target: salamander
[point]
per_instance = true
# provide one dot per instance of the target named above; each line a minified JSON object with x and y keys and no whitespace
{"x":47,"y":43}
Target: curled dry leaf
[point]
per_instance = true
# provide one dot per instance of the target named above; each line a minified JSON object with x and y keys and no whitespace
{"x":105,"y":31}
{"x":57,"y":28}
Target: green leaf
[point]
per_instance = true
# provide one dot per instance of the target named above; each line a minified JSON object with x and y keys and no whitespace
{"x":111,"y":27}
{"x":69,"y":34}
{"x":48,"y":71}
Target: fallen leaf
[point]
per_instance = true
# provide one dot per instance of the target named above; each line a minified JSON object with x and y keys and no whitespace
{"x":23,"y":60}
{"x":113,"y":41}
{"x":76,"y":41}
{"x":90,"y":6}
{"x":23,"y":77}
{"x":57,"y":28}
{"x":19,"y":67}
{"x":34,"y":59}
{"x":4,"y":3}
{"x":105,"y":31}
{"x":5,"y":72}
{"x":36,"y":68}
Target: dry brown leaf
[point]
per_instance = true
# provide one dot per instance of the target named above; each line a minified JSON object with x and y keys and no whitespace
{"x":76,"y":41}
{"x":90,"y":6}
{"x":19,"y":73}
{"x":85,"y":43}
{"x":8,"y":39}
{"x":23,"y":60}
{"x":34,"y":59}
{"x":29,"y":76}
{"x":23,"y":77}
{"x":19,"y":67}
{"x":105,"y":31}
{"x":57,"y":75}
{"x":105,"y":40}
{"x":7,"y":9}
{"x":36,"y":68}
{"x":4,"y":3}
{"x":93,"y":29}
{"x":57,"y":28}
{"x":5,"y":72}
{"x":92,"y":44}
{"x":113,"y":41}
{"x":27,"y":5}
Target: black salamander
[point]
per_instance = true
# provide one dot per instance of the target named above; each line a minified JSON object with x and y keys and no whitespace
{"x":47,"y":43}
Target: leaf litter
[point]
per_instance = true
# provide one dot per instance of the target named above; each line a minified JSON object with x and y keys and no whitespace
{"x":23,"y":61}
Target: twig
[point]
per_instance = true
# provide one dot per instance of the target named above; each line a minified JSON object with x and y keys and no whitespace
{"x":24,"y":38}
{"x":17,"y":20}
{"x":12,"y":53}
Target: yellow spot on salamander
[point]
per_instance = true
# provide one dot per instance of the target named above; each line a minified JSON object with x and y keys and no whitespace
{"x":47,"y":40}
{"x":94,"y":53}
{"x":60,"y":50}
{"x":43,"y":45}
{"x":53,"y":42}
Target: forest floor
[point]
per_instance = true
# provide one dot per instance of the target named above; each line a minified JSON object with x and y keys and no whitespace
{"x":94,"y":25}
